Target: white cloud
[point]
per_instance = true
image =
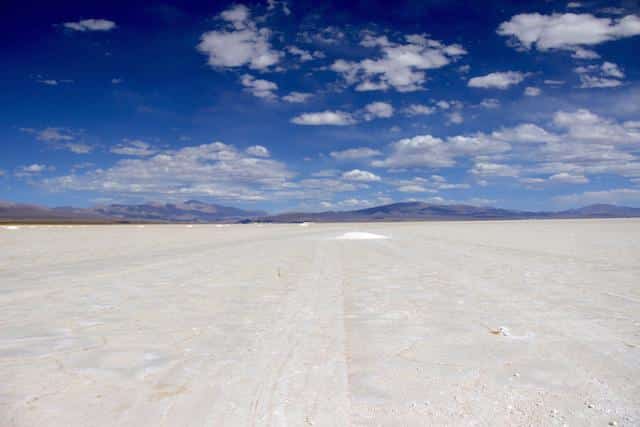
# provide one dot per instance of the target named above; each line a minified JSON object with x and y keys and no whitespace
{"x":419,"y":151}
{"x":400,"y":66}
{"x":426,"y":185}
{"x":51,"y":134}
{"x":581,"y":53}
{"x":60,"y":138}
{"x":271,"y":5}
{"x":258,"y":151}
{"x":78,"y":147}
{"x":443,"y":105}
{"x":590,"y":82}
{"x":216,"y":170}
{"x":567,"y":178}
{"x":33,"y":168}
{"x":606,"y":75}
{"x":490,"y":103}
{"x":494,"y":169}
{"x":619,"y":196}
{"x":305,"y":55}
{"x":134,"y":147}
{"x":526,"y":132}
{"x":612,"y":70}
{"x":53,"y":82}
{"x":566,"y":31}
{"x":584,"y":125}
{"x":258,"y":87}
{"x":498,"y":80}
{"x":116,"y":81}
{"x":378,"y":109}
{"x":297,"y":97}
{"x":90,"y":25}
{"x":328,"y":118}
{"x":355,"y":153}
{"x":431,"y":152}
{"x":532,"y":91}
{"x":581,"y":144}
{"x":360,"y":176}
{"x":28,"y":171}
{"x":412,"y":188}
{"x":455,"y":118}
{"x":242,"y":44}
{"x":418,"y":110}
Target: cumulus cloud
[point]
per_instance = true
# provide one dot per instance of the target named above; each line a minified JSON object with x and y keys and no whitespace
{"x":526,"y":132}
{"x":271,"y":5}
{"x":32,"y":169}
{"x":433,"y":184}
{"x":304,"y":55}
{"x":378,"y":109}
{"x":297,"y":97}
{"x":455,"y":118}
{"x":133,"y":147}
{"x":584,"y":125}
{"x":216,"y":170}
{"x":532,"y":91}
{"x":604,"y":75}
{"x":574,"y":146}
{"x":90,"y":25}
{"x":53,"y":82}
{"x":400,"y":66}
{"x":620,"y":196}
{"x":355,"y":153}
{"x":566,"y":31}
{"x":581,"y":53}
{"x":432,"y":152}
{"x":418,"y":110}
{"x":258,"y":151}
{"x":360,"y":176}
{"x":490,"y":103}
{"x":494,"y":169}
{"x":258,"y":87}
{"x":324,"y":118}
{"x":498,"y":80}
{"x":567,"y":178}
{"x":241,"y":43}
{"x":61,"y":139}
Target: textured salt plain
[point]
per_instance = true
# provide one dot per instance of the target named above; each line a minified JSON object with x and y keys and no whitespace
{"x":486,"y":323}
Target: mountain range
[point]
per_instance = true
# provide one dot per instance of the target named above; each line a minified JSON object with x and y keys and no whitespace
{"x":189,"y":211}
{"x":201,"y":212}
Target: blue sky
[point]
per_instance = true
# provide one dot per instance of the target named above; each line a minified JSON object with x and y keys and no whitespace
{"x":310,"y":105}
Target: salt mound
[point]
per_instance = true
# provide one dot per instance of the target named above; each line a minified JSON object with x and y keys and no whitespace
{"x":304,"y":224}
{"x":11,"y":227}
{"x":359,"y":235}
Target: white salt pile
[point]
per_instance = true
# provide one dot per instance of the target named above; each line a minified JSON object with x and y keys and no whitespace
{"x":359,"y":235}
{"x":304,"y":224}
{"x":11,"y":227}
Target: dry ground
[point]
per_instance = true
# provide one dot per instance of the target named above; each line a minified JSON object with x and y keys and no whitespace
{"x":476,"y":323}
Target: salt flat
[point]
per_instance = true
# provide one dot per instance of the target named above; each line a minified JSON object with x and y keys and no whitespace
{"x":474,"y":323}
